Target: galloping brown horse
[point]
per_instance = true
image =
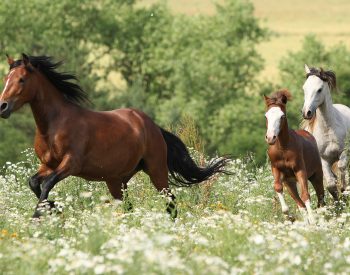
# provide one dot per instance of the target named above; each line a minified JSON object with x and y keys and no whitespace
{"x":106,"y":146}
{"x":294,"y":156}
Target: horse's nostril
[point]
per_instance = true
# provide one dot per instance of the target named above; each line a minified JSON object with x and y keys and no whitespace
{"x":308,"y":113}
{"x":3,"y":106}
{"x":274,"y":137}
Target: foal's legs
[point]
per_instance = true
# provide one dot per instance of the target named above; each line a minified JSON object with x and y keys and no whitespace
{"x":330,"y":179}
{"x":317,"y":183}
{"x":342,"y":165}
{"x":301,"y":177}
{"x":278,"y":186}
{"x":293,"y":191}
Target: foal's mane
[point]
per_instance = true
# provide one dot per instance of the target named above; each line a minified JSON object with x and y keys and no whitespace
{"x":327,"y":76}
{"x":61,"y":80}
{"x":279,"y":98}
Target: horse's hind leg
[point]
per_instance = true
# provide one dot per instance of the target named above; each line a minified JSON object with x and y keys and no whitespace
{"x":330,"y":179}
{"x":157,"y":170}
{"x":118,"y":189}
{"x":317,"y":182}
{"x":342,"y":165}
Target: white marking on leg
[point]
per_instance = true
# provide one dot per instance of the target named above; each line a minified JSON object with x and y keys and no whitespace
{"x":284,"y":206}
{"x":303,"y":213}
{"x":309,"y":212}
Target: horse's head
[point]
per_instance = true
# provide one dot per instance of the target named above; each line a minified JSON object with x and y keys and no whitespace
{"x":317,"y":86}
{"x":18,"y":83}
{"x":276,"y":114}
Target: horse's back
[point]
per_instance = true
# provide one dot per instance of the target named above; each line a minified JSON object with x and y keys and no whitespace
{"x":344,"y":114}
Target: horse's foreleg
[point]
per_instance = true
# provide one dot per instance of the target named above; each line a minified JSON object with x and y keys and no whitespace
{"x":36,"y":180}
{"x":301,"y":177}
{"x":342,"y":165}
{"x":331,"y":180}
{"x":67,"y":167}
{"x":279,"y":190}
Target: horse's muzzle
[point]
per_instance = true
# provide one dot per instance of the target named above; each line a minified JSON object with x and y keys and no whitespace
{"x":5,"y":110}
{"x":308,"y":114}
{"x":271,"y":140}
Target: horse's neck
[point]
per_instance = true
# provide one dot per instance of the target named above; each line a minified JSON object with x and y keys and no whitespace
{"x":283,"y":137}
{"x":325,"y":114}
{"x":47,"y":105}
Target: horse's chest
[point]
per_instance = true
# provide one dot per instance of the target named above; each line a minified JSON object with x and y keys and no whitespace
{"x":48,"y":151}
{"x":328,"y":145}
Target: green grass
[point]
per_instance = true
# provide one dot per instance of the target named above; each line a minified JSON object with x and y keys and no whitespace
{"x":290,"y":21}
{"x":231,"y":225}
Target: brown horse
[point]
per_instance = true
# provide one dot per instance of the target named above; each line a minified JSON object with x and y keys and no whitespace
{"x":294,"y":157}
{"x":108,"y":146}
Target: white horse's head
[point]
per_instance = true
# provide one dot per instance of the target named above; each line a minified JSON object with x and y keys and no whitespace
{"x":316,"y":88}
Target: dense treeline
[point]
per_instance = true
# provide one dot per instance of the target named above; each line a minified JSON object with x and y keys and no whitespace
{"x":170,"y":66}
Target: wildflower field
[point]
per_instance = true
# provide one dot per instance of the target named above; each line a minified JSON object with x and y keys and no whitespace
{"x":230,"y":225}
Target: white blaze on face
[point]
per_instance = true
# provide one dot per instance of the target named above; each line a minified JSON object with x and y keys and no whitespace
{"x":312,"y":95}
{"x":7,"y":83}
{"x":273,"y":117}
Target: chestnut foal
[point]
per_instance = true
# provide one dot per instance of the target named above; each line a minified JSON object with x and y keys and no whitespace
{"x":294,"y":157}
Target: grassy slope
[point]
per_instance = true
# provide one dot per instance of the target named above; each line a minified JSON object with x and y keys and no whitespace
{"x":228,"y":226}
{"x":289,"y":20}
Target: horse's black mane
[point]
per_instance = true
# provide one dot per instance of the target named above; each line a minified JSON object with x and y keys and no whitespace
{"x":328,"y":76}
{"x":61,"y":80}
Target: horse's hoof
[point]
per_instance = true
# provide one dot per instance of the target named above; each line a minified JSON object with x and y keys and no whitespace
{"x":51,"y":204}
{"x":172,"y":210}
{"x":291,"y":218}
{"x":37,"y":214}
{"x":127,"y":206}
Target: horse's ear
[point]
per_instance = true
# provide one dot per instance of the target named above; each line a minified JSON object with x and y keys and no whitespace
{"x":284,"y":99}
{"x":266,"y":98}
{"x":26,"y":62}
{"x":10,"y":60}
{"x":307,"y":69}
{"x":25,"y":59}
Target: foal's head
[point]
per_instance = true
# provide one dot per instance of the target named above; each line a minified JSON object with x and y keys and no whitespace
{"x":276,"y":114}
{"x":317,"y":86}
{"x":17,"y":89}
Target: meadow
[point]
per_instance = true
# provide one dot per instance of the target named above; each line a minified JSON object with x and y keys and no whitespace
{"x":229,"y":225}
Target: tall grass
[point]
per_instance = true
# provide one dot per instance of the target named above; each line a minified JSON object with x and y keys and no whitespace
{"x":230,"y":225}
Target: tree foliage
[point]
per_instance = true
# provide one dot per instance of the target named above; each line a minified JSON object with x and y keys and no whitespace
{"x":170,"y":66}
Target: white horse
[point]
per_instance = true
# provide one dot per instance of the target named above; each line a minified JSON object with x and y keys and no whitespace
{"x":328,"y":122}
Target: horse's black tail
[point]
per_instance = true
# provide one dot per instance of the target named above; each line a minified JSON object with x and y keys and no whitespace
{"x":183,"y":170}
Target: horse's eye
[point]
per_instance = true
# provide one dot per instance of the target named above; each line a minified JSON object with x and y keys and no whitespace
{"x":319,"y":90}
{"x":284,"y":116}
{"x":21,"y":80}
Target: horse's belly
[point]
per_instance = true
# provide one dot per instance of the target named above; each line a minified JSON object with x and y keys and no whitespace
{"x":330,"y":151}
